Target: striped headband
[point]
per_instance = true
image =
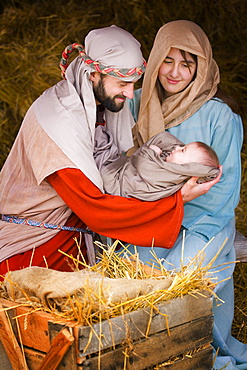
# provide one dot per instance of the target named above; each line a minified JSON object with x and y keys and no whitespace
{"x":115,"y":72}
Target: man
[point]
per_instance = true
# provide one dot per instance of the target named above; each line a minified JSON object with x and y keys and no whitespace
{"x":50,"y":179}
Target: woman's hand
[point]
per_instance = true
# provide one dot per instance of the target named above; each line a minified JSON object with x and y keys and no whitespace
{"x":192,"y":190}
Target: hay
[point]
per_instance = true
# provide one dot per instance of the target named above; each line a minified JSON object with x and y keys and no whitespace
{"x":33,"y":35}
{"x":94,"y":304}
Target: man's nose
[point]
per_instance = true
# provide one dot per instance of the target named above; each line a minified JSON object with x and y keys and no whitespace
{"x":129,"y":91}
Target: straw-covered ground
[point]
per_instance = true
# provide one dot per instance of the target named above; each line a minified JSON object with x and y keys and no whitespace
{"x":33,"y":35}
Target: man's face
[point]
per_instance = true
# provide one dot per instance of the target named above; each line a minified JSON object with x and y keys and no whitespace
{"x":111,"y":92}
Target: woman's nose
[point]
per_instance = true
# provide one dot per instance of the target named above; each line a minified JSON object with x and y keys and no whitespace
{"x":174,"y":71}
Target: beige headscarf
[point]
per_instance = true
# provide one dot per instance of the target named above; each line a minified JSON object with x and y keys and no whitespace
{"x":154,"y":118}
{"x":67,"y":111}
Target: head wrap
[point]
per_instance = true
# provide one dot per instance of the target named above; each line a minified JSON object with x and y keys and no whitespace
{"x":67,"y":111}
{"x":154,"y":117}
{"x":105,"y":52}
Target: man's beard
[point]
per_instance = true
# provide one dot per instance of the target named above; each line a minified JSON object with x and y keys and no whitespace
{"x":107,"y":101}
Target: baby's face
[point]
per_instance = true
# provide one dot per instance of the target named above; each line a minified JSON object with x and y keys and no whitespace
{"x":185,"y":154}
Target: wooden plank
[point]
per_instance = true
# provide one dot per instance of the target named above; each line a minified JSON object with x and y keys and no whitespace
{"x":59,"y":347}
{"x":34,"y":358}
{"x":36,"y":332}
{"x":10,"y":343}
{"x":113,"y":332}
{"x":157,"y":348}
{"x":240,"y":244}
{"x":34,"y":328}
{"x":201,"y":360}
{"x":4,"y":360}
{"x":69,"y":360}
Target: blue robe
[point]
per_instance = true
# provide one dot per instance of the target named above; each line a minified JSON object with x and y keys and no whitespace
{"x":211,"y":216}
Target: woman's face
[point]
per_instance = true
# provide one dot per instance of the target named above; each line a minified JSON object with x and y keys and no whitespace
{"x":175,"y":72}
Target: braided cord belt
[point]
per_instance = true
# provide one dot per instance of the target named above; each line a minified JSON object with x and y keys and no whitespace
{"x":46,"y":225}
{"x":98,"y":67}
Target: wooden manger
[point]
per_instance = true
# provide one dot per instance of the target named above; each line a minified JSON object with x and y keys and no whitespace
{"x":168,"y":328}
{"x":176,"y":333}
{"x":240,"y":244}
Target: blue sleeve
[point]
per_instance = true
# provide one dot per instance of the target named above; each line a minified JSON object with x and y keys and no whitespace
{"x":134,"y":104}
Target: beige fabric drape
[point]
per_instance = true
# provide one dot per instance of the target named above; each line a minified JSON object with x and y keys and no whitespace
{"x":154,"y":118}
{"x":24,"y":191}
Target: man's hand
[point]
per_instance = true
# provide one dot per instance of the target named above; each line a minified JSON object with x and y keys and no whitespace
{"x":192,"y":190}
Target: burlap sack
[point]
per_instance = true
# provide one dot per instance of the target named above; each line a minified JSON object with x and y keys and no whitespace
{"x":50,"y":286}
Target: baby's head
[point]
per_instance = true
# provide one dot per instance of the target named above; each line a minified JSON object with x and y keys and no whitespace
{"x":194,"y":152}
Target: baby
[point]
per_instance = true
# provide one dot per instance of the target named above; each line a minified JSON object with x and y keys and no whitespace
{"x":157,"y":169}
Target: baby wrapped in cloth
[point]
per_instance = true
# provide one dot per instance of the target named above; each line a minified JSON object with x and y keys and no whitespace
{"x":145,"y":175}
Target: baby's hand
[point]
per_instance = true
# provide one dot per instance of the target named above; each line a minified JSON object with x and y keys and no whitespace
{"x":191,"y":189}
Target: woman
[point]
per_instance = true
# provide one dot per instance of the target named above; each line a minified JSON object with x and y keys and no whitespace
{"x":180,"y":94}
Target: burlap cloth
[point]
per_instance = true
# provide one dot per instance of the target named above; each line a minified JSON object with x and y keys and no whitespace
{"x":54,"y":287}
